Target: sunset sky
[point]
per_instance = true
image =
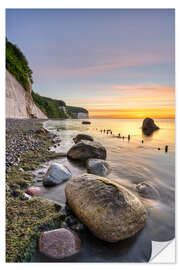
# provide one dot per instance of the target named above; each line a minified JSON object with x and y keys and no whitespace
{"x":115,"y":63}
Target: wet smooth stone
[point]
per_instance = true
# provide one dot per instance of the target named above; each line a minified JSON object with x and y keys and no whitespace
{"x":33,"y":191}
{"x":80,"y":137}
{"x":60,"y":243}
{"x":98,"y":166}
{"x":87,"y":149}
{"x":147,"y":190}
{"x":56,"y":174}
{"x":105,"y":207}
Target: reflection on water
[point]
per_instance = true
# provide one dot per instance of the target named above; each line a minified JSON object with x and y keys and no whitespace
{"x":132,"y":162}
{"x":165,"y":135}
{"x":147,"y":135}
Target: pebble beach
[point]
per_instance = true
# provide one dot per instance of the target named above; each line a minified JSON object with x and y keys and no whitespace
{"x":34,"y":145}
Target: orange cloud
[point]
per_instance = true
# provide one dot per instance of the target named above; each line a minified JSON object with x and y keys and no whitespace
{"x":153,"y":88}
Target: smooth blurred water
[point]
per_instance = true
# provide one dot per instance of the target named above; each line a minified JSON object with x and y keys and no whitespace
{"x":132,"y":162}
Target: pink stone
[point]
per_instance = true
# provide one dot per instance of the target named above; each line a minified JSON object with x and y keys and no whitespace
{"x":34,"y":191}
{"x":59,"y":243}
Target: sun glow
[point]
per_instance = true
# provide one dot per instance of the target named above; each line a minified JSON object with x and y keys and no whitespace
{"x":124,"y":101}
{"x":137,"y":113}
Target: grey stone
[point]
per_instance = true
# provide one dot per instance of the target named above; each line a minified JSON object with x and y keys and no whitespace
{"x":87,"y":149}
{"x":56,"y":174}
{"x":147,"y":190}
{"x":98,"y":166}
{"x":80,"y":137}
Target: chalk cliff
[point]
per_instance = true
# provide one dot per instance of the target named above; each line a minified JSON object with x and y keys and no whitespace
{"x":82,"y":115}
{"x":19,"y":102}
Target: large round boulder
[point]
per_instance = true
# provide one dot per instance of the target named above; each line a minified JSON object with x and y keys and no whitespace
{"x":87,"y":149}
{"x":98,"y":166}
{"x":147,"y":190}
{"x":59,"y":243}
{"x":109,"y":210}
{"x":56,"y":174}
{"x":148,"y":124}
{"x":80,"y":137}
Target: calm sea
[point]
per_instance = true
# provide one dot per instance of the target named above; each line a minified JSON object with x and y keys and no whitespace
{"x":132,"y":162}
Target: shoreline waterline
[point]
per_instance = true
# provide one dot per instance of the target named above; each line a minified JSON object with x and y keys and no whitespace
{"x":131,"y":165}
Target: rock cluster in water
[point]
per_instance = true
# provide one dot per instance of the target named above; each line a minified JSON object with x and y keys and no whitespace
{"x":110,"y":211}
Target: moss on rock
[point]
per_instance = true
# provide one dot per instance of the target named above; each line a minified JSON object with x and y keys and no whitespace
{"x":24,"y":222}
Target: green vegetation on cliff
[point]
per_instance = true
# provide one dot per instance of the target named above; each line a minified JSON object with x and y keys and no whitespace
{"x":51,"y":107}
{"x":17,"y":64}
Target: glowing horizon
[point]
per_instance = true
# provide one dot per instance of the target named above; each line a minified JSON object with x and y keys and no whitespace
{"x":116,"y":63}
{"x":156,"y":114}
{"x":136,"y":101}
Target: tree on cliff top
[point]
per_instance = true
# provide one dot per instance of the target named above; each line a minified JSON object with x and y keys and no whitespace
{"x":17,"y":65}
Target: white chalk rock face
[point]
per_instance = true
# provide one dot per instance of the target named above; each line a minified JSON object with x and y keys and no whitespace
{"x":81,"y":115}
{"x":56,"y":174}
{"x":19,"y":102}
